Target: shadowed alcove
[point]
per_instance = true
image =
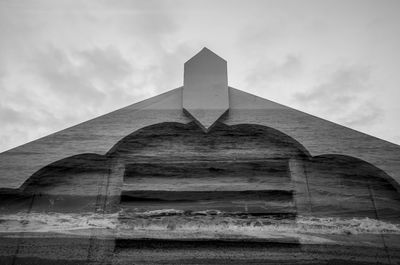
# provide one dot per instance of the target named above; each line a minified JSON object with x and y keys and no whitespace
{"x":346,"y":186}
{"x":241,"y":169}
{"x":73,"y":184}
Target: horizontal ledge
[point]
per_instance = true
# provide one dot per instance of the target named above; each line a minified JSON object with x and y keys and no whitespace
{"x":188,"y":196}
{"x":241,"y":243}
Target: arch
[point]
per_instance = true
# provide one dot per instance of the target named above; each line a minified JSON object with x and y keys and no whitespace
{"x":52,"y":174}
{"x":279,"y":134}
{"x":173,"y":155}
{"x":347,"y":186}
{"x":144,"y":130}
{"x":219,"y":131}
{"x":67,"y":185}
{"x":362,"y":164}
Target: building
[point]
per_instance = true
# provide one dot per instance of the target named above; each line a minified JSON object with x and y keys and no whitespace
{"x":202,"y":173}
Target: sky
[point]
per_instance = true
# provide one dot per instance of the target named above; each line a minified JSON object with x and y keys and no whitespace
{"x":63,"y":62}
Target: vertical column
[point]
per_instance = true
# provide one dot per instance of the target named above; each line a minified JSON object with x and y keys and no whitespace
{"x":299,"y":179}
{"x":390,"y":246}
{"x":14,"y":245}
{"x":101,"y":248}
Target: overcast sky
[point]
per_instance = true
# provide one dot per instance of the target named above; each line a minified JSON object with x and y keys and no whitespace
{"x":63,"y":62}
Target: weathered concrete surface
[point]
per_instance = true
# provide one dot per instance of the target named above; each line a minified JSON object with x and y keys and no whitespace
{"x":318,"y":136}
{"x":97,"y":136}
{"x":61,"y":251}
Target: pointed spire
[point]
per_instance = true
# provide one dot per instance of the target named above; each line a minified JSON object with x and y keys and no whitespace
{"x":205,"y":92}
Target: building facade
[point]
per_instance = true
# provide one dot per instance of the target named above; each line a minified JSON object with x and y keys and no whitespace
{"x":202,"y":173}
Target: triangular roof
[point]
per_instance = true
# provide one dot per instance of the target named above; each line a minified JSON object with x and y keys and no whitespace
{"x":99,"y":135}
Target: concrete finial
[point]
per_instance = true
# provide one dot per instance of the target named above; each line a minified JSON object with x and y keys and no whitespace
{"x":205,"y":93}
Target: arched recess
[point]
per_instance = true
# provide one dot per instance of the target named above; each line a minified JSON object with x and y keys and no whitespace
{"x":347,"y":186}
{"x":72,"y":184}
{"x":74,"y":175}
{"x":221,"y":136}
{"x":175,"y":161}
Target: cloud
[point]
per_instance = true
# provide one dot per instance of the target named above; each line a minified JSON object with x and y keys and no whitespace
{"x":266,"y":70}
{"x":68,"y":62}
{"x":100,"y":55}
{"x":364,"y":114}
{"x":55,"y":88}
{"x":344,"y":97}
